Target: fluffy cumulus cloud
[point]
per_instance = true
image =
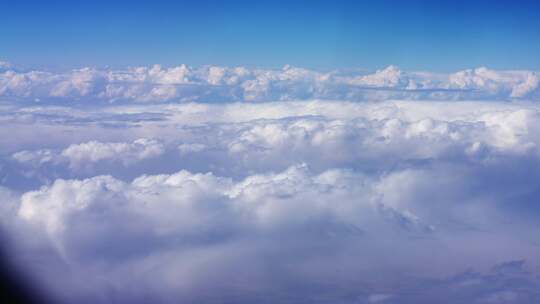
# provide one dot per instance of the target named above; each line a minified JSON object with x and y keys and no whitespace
{"x":87,"y":153}
{"x":378,"y":201}
{"x":213,"y":84}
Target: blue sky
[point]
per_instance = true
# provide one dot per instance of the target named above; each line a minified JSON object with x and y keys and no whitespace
{"x":418,"y":35}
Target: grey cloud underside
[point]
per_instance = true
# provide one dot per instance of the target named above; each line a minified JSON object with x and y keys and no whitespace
{"x":293,"y":202}
{"x":218,"y":84}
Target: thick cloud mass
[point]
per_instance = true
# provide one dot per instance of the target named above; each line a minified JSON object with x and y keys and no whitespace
{"x":214,"y":84}
{"x":334,"y":201}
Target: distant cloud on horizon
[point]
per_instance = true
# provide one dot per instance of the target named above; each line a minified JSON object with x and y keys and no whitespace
{"x":224,"y":84}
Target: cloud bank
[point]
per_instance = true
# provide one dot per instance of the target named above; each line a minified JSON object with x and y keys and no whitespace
{"x":315,"y":200}
{"x":216,"y":84}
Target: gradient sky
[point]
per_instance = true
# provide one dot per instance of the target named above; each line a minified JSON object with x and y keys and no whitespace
{"x":415,"y":35}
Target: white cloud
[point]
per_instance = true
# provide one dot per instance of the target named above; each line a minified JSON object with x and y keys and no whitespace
{"x":125,"y":152}
{"x":369,"y":202}
{"x":191,"y":148}
{"x":85,"y":154}
{"x":526,"y":87}
{"x":4,"y":65}
{"x":103,"y":224}
{"x":212,"y":83}
{"x":156,"y":229}
{"x":389,"y":77}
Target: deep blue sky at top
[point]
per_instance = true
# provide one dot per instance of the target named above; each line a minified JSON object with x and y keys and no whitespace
{"x":415,"y":35}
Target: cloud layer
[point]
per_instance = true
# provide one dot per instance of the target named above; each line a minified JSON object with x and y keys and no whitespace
{"x":382,"y":201}
{"x":215,"y":84}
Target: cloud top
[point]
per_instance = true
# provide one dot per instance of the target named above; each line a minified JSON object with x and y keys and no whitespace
{"x":215,"y":84}
{"x":281,"y":201}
